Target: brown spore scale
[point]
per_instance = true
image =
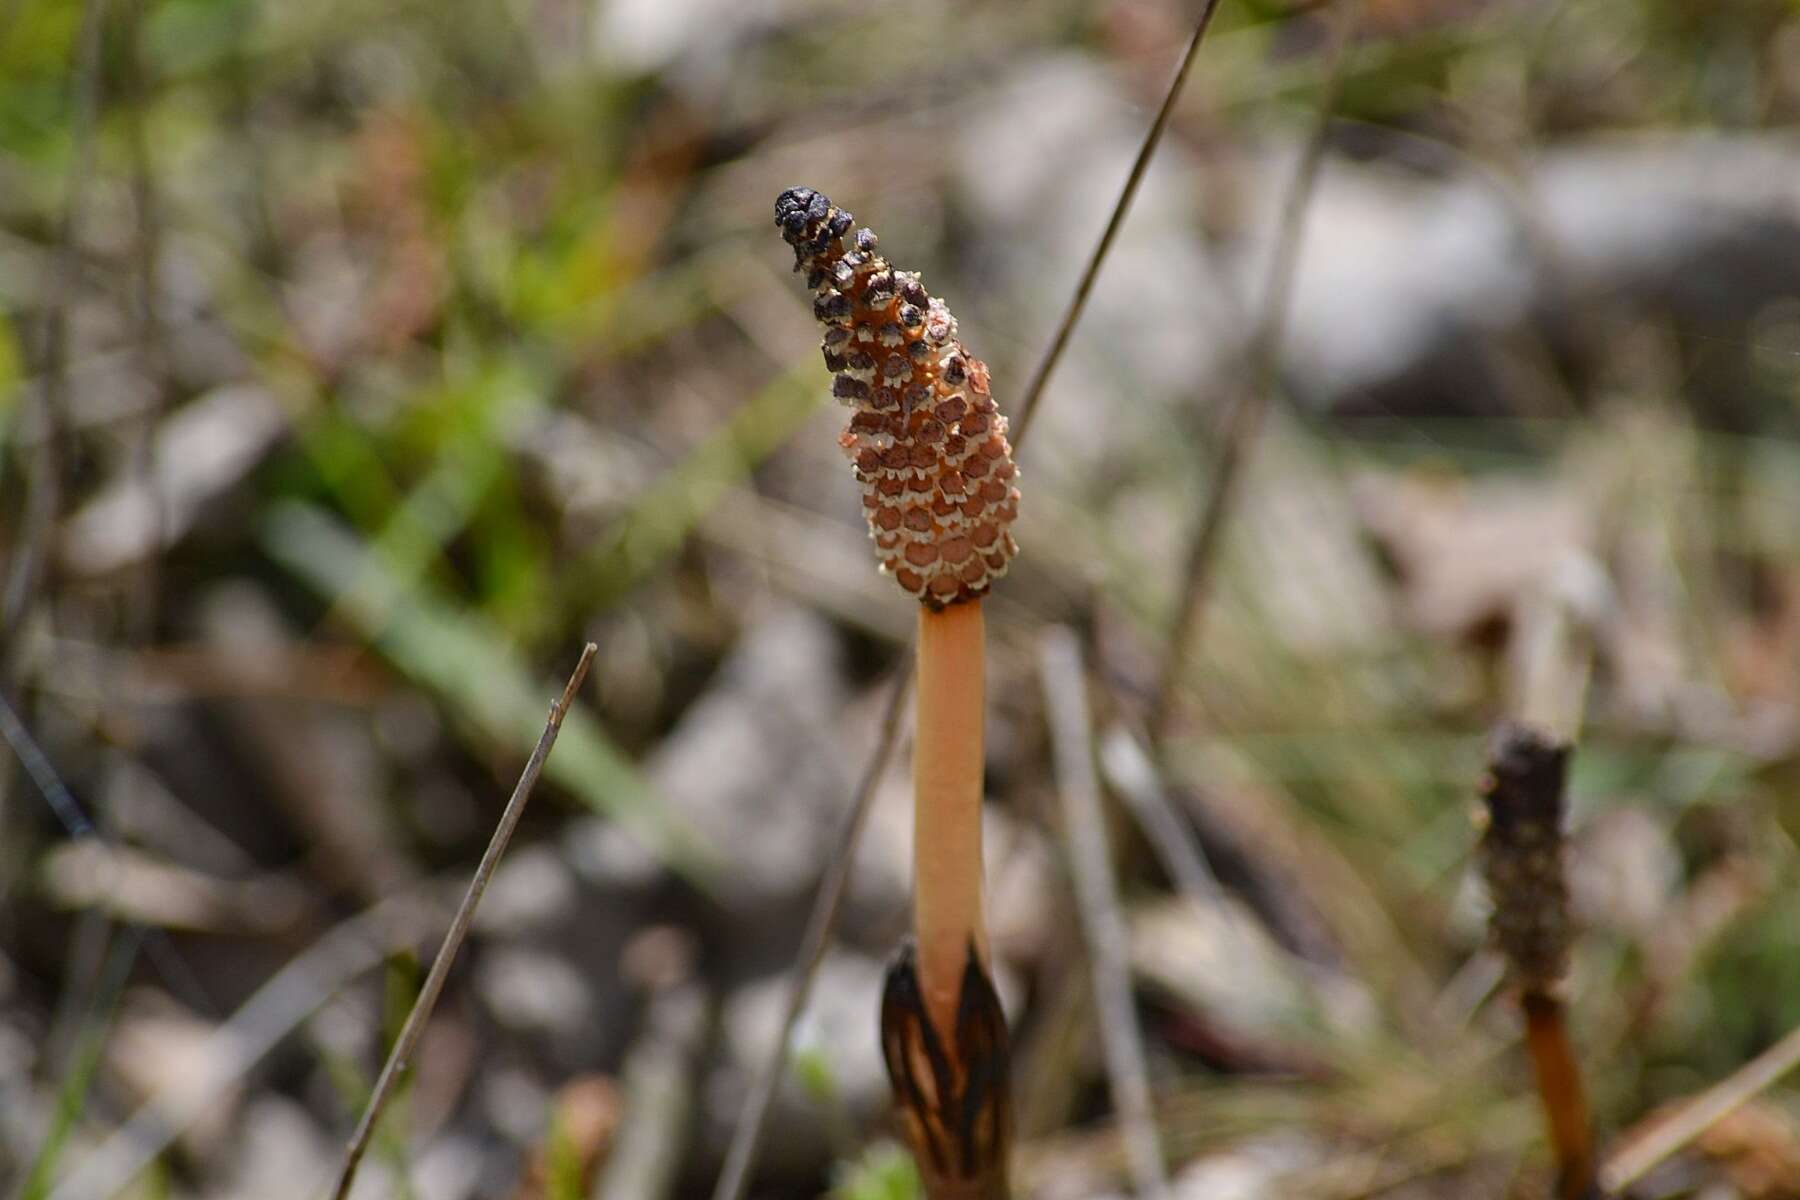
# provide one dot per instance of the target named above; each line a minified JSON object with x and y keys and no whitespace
{"x":925,"y":438}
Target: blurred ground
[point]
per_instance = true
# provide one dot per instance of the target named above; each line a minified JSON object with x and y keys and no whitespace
{"x":360,"y":361}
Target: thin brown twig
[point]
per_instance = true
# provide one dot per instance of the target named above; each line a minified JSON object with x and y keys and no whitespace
{"x":401,"y":1055}
{"x":1097,"y":900}
{"x":819,"y":925}
{"x":1261,"y":351}
{"x":1140,"y":166}
{"x":1700,"y":1114}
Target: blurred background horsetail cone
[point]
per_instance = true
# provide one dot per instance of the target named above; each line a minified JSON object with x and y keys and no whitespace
{"x":928,"y":443}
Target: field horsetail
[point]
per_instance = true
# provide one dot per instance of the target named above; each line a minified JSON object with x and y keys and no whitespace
{"x":939,"y":492}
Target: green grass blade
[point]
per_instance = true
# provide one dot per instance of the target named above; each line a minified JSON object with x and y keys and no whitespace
{"x":71,"y":1098}
{"x":465,"y":660}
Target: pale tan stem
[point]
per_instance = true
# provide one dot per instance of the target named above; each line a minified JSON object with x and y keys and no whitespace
{"x":947,"y":767}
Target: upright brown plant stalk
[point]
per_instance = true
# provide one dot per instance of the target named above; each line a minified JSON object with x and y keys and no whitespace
{"x":929,"y":447}
{"x":1522,"y":852}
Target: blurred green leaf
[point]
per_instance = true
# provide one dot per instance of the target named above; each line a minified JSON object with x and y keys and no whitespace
{"x":812,"y":1067}
{"x":669,"y":508}
{"x":467,"y":662}
{"x":71,"y":1098}
{"x":564,"y":1163}
{"x":884,"y":1172}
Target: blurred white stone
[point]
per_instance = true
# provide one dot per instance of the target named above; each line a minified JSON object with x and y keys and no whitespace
{"x":199,"y":451}
{"x":1252,"y":1170}
{"x":756,"y":766}
{"x":533,"y":990}
{"x":648,"y":35}
{"x":1021,"y":886}
{"x":280,"y":1153}
{"x":1218,"y":958}
{"x":608,"y":855}
{"x":1624,"y":872}
{"x":167,"y":1056}
{"x":447,"y":1168}
{"x":515,"y":1101}
{"x":1404,"y":279}
{"x":532,"y":888}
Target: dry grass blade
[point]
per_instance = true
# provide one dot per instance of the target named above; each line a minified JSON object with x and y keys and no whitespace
{"x":1040,"y":378}
{"x":1132,"y":775}
{"x":459,"y":929}
{"x":645,"y":1158}
{"x":1702,"y":1113}
{"x":1177,"y":847}
{"x":1097,"y":896}
{"x":290,"y":996}
{"x":751,"y":1121}
{"x":78,"y":1074}
{"x":1261,"y":351}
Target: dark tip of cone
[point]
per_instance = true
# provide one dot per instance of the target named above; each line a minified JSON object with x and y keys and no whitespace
{"x":1527,"y":770}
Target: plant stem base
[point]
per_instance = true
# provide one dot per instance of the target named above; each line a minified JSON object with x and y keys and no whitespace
{"x":952,"y":1091}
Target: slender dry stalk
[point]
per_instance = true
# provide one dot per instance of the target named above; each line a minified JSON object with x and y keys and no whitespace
{"x":1522,"y":851}
{"x":1701,"y":1113}
{"x":1097,"y":899}
{"x":1134,"y":779}
{"x":1261,"y":352}
{"x":400,"y":1057}
{"x":1140,"y":166}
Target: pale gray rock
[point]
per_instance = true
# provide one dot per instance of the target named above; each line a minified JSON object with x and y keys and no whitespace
{"x":531,"y":889}
{"x":836,"y":1036}
{"x":756,"y":766}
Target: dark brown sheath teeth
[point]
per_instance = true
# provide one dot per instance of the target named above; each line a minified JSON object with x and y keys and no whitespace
{"x":927,"y":443}
{"x":952,"y":1085}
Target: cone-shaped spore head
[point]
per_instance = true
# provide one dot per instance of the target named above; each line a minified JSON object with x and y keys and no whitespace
{"x":926,"y":439}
